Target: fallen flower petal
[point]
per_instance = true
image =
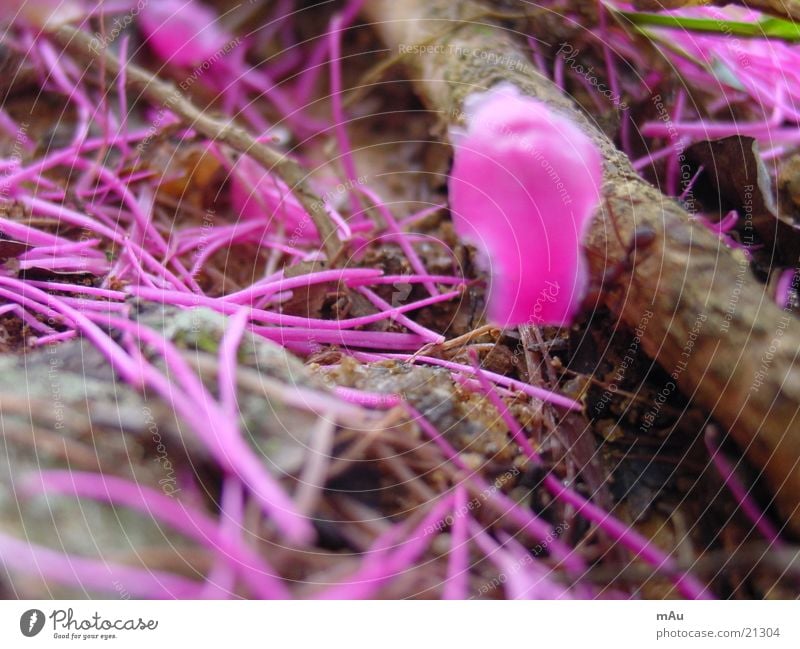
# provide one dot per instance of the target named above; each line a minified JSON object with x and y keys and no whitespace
{"x":524,"y":184}
{"x":182,"y":32}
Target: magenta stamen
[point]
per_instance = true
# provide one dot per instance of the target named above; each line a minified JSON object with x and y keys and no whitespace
{"x":54,"y":338}
{"x":311,"y":481}
{"x":266,"y":288}
{"x":279,"y":319}
{"x":339,"y":125}
{"x":28,"y":235}
{"x":68,"y":264}
{"x":221,"y":580}
{"x":253,"y":570}
{"x":783,"y":290}
{"x":62,"y":249}
{"x":95,"y":574}
{"x":418,"y":216}
{"x":393,"y":227}
{"x":523,"y":518}
{"x":522,"y":578}
{"x":343,"y":338}
{"x":616,"y":529}
{"x":384,"y":564}
{"x":457,"y":584}
{"x":690,"y":185}
{"x":221,"y":435}
{"x":228,"y":350}
{"x":77,"y":288}
{"x":741,"y":494}
{"x":540,"y":585}
{"x":26,"y":317}
{"x":537,"y":393}
{"x":66,"y":215}
{"x":118,"y":359}
{"x":406,"y":279}
{"x":397,"y":315}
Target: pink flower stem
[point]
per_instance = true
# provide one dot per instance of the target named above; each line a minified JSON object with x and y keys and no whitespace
{"x":265,"y":288}
{"x":18,"y":291}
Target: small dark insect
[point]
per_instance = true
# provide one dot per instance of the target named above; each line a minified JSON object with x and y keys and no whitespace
{"x":642,"y":240}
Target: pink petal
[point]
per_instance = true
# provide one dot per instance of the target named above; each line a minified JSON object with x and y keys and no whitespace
{"x":182,"y":32}
{"x":524,"y":185}
{"x":44,"y":14}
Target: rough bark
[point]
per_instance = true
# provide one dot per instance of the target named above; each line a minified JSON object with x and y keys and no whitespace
{"x":713,"y":328}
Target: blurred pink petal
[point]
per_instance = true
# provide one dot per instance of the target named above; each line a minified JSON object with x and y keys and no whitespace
{"x":182,"y":32}
{"x":44,"y":14}
{"x":524,"y":185}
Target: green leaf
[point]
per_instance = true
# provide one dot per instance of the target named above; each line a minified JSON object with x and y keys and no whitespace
{"x":767,"y":27}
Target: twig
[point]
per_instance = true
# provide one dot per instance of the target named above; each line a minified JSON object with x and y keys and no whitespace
{"x":83,"y":46}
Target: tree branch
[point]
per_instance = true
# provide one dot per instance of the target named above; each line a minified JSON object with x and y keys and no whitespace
{"x":80,"y":44}
{"x":724,"y":342}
